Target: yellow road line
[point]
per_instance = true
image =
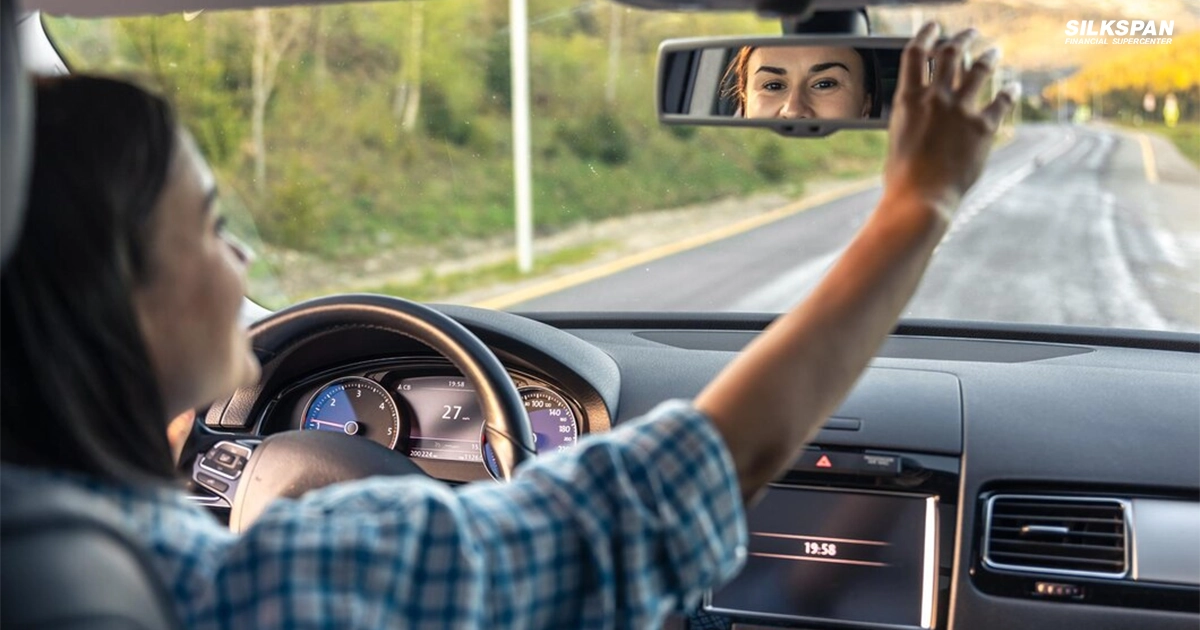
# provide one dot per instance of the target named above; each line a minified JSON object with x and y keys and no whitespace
{"x":1148,"y":159}
{"x":633,"y":260}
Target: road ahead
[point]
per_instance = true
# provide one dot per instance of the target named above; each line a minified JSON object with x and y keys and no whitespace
{"x":1067,"y":225}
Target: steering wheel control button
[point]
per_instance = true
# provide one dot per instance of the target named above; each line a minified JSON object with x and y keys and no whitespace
{"x":211,"y":482}
{"x":226,"y":459}
{"x":219,"y":469}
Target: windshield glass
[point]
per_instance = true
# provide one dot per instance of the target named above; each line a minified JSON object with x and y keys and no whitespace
{"x":370,"y":148}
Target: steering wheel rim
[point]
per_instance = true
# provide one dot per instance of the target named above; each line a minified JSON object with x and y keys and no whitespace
{"x":507,"y":426}
{"x":290,"y":463}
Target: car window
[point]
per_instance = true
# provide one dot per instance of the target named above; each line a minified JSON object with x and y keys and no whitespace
{"x":369,"y":147}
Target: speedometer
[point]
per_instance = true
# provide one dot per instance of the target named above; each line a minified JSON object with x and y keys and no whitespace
{"x":555,"y":427}
{"x":354,"y":406}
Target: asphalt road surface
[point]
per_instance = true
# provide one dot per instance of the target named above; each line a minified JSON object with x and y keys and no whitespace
{"x":1067,"y":225}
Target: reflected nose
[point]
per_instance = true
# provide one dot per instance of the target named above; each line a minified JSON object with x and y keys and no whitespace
{"x":796,"y":106}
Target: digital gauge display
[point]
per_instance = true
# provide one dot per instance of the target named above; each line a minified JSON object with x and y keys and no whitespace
{"x":446,"y":418}
{"x":447,"y":422}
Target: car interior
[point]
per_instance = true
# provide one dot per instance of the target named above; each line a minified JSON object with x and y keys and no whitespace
{"x":981,"y":475}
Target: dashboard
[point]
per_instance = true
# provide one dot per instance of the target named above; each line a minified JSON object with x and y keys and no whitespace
{"x":979,"y":476}
{"x":423,"y":408}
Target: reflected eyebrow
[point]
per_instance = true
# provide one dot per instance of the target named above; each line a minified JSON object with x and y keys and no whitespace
{"x":821,"y":67}
{"x":772,"y":69}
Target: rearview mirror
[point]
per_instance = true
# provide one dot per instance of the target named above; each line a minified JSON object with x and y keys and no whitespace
{"x":797,"y":85}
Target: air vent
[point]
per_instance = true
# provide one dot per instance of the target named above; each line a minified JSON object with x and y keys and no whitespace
{"x":1057,"y":535}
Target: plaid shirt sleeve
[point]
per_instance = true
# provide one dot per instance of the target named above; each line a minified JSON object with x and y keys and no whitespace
{"x":618,"y":532}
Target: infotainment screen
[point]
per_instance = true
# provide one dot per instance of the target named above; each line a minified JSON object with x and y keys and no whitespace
{"x":837,"y":556}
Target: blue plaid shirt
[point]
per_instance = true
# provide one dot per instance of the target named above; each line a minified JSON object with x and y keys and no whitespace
{"x":618,"y":532}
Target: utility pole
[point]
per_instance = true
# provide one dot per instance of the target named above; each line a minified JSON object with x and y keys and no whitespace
{"x":518,"y":33}
{"x":614,"y":54}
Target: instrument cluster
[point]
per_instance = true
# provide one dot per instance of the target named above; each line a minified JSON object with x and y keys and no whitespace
{"x":429,"y":411}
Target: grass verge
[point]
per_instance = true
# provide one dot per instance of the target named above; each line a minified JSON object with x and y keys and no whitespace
{"x":431,"y":286}
{"x":1185,"y":137}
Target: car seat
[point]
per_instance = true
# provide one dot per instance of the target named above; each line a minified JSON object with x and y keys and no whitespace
{"x":66,"y":563}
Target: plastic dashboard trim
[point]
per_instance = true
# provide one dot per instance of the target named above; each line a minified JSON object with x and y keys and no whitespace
{"x":966,"y":329}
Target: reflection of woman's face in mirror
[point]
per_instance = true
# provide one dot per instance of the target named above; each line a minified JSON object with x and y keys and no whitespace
{"x":805,"y":82}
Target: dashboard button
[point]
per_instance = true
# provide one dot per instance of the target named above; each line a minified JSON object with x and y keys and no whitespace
{"x":842,"y":463}
{"x":818,"y":460}
{"x":879,"y":464}
{"x":1055,"y":589}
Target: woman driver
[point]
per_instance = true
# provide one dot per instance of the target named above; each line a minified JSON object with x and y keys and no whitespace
{"x":120,"y":310}
{"x":825,"y":82}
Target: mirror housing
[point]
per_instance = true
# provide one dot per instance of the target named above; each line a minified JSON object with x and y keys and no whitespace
{"x":707,"y":82}
{"x":771,"y":8}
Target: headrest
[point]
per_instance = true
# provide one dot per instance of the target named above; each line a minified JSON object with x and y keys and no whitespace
{"x":16,"y":126}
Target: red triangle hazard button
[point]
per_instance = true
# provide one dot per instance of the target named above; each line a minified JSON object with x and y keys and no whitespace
{"x":824,"y":462}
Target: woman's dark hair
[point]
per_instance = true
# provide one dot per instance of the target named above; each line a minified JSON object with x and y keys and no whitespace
{"x":737,"y":77}
{"x":872,"y":79}
{"x":79,"y":389}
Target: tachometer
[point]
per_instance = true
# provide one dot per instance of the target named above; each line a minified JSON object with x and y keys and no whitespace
{"x":354,"y":406}
{"x":555,"y":427}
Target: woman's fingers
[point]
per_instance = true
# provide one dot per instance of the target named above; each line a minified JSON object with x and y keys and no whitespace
{"x":978,"y":75}
{"x":948,"y":62}
{"x":914,"y":66}
{"x":939,"y":136}
{"x":1001,"y":105}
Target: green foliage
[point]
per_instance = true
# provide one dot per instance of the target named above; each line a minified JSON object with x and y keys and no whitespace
{"x":348,"y":178}
{"x":600,"y":137}
{"x":1186,"y":137}
{"x":211,"y":97}
{"x":1160,"y":69}
{"x":440,"y":119}
{"x":769,"y":161}
{"x":292,"y":218}
{"x":497,"y":74}
{"x":682,"y":132}
{"x":1030,"y":112}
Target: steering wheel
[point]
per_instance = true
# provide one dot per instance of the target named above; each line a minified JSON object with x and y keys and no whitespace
{"x":290,"y":463}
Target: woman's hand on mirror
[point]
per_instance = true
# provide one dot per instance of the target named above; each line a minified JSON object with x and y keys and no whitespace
{"x":939,"y":134}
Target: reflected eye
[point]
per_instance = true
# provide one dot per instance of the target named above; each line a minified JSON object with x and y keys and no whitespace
{"x":773,"y":86}
{"x":825,"y":84}
{"x":221,"y":226}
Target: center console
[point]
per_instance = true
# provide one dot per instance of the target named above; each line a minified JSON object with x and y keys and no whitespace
{"x":860,"y":532}
{"x":858,"y":556}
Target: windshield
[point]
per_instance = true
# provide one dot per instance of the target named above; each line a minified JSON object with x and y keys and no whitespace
{"x":370,"y":148}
